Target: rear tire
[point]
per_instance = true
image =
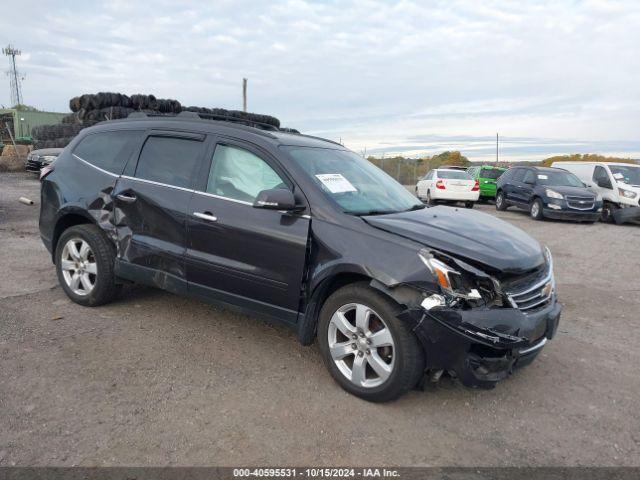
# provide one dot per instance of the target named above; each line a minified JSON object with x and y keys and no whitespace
{"x":535,"y":209}
{"x":469,"y":204}
{"x":85,"y":265}
{"x":429,"y":199}
{"x":356,"y":369}
{"x":501,"y":202}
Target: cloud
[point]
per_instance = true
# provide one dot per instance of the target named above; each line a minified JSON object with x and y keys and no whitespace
{"x":371,"y":73}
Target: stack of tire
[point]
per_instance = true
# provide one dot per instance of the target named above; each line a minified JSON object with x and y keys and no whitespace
{"x":235,"y":114}
{"x":89,"y":109}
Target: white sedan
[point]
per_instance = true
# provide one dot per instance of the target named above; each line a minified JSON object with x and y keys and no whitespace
{"x":448,"y":185}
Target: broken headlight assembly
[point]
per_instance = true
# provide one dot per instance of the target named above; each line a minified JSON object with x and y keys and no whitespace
{"x":457,"y":287}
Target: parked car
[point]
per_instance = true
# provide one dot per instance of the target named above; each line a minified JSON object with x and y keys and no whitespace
{"x":300,"y":230}
{"x":487,"y":177}
{"x":617,"y":183}
{"x":448,"y":185}
{"x":548,"y":192}
{"x":39,"y":158}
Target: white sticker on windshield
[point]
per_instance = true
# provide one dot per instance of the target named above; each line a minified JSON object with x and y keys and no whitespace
{"x":618,"y":176}
{"x":336,"y":183}
{"x":543,"y":177}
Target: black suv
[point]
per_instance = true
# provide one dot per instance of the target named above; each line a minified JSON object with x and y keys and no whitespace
{"x":302,"y":230}
{"x":547,"y":192}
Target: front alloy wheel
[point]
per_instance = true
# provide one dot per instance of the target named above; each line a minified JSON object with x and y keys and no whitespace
{"x":367,"y":349}
{"x":361,"y":345}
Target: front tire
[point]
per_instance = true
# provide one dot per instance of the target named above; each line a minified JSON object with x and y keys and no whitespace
{"x":607,"y":212}
{"x":84,"y":264}
{"x":535,"y":210}
{"x":366,"y":348}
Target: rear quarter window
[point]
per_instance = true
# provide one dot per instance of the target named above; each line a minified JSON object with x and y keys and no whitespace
{"x":108,"y":150}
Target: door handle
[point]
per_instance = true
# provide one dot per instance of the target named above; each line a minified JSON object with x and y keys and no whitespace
{"x":126,"y":198}
{"x":205,"y":216}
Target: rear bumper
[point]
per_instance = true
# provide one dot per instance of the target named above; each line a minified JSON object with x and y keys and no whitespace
{"x":455,"y":196}
{"x":481,"y":347}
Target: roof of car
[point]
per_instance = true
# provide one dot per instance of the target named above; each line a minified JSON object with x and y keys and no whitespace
{"x":200,"y":125}
{"x":621,"y":164}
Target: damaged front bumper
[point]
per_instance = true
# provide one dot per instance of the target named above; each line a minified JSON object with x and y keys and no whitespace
{"x":482,"y":346}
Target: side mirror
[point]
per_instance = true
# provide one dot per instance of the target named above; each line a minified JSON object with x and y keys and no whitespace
{"x":604,"y":183}
{"x":276,"y":199}
{"x":530,"y":182}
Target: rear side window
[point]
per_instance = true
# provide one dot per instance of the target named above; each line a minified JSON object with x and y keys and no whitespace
{"x":169,"y":160}
{"x":518,"y":175}
{"x":107,"y":150}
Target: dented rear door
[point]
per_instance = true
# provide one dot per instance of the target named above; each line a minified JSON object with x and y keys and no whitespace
{"x":151,"y":201}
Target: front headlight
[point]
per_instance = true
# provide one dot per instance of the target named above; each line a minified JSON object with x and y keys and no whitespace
{"x":627,"y":193}
{"x":48,"y":159}
{"x":450,"y":280}
{"x":553,"y":194}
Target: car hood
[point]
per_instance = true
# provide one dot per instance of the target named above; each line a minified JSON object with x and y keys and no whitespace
{"x":577,"y":191}
{"x":465,"y":234}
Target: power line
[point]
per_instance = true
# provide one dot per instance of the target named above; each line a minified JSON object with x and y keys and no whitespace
{"x":14,"y":78}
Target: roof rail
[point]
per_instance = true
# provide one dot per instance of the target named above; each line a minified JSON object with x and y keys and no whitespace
{"x":263,"y":128}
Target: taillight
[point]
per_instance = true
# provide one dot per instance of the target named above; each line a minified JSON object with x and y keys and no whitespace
{"x":46,"y":170}
{"x":440,"y":184}
{"x":476,"y":187}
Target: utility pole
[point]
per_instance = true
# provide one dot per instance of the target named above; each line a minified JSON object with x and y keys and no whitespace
{"x":16,"y":95}
{"x":244,"y":94}
{"x":496,"y":148}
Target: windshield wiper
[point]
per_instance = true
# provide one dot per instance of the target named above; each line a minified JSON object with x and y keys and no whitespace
{"x":368,"y":212}
{"x":415,"y":207}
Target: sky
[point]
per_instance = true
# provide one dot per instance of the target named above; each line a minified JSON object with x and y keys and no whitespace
{"x":408,"y":77}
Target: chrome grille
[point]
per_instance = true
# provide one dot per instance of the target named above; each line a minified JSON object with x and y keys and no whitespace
{"x":33,"y":163}
{"x":580,"y":203}
{"x":535,"y":295}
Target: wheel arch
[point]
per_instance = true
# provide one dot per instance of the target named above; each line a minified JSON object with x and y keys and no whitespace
{"x":307,"y":325}
{"x":68,"y":219}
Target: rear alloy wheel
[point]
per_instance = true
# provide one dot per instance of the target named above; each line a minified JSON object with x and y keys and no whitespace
{"x":501,"y":203}
{"x":536,"y":209}
{"x":367,"y":349}
{"x":84,"y":263}
{"x":79,"y":266}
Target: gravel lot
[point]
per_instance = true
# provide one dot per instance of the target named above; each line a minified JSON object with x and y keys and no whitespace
{"x":156,"y":379}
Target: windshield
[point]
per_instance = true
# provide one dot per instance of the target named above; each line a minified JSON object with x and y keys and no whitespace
{"x":493,"y":173}
{"x":559,"y":179}
{"x":454,"y":174}
{"x":626,"y":174}
{"x":358,"y":186}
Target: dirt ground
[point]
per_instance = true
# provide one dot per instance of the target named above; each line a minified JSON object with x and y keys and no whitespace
{"x":156,"y":379}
